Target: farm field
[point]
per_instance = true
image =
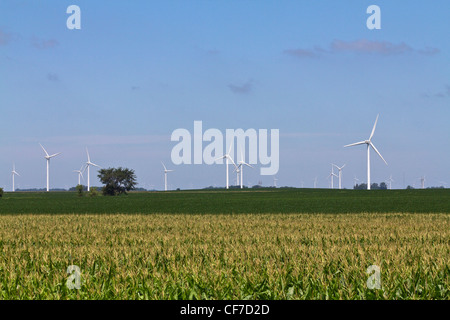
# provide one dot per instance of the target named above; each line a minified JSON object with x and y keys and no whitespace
{"x":272,"y":251}
{"x":221,"y":201}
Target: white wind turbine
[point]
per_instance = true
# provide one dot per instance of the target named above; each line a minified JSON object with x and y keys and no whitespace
{"x":80,"y":173}
{"x":390,"y":180}
{"x":355,"y":179}
{"x":226,"y":157}
{"x":237,"y":169}
{"x":332,"y":175}
{"x":14,"y":173}
{"x":48,"y":157}
{"x":315,"y":182}
{"x":165,"y":176}
{"x":88,"y":165}
{"x":422,"y":182}
{"x":369,"y":144}
{"x":444,"y":184}
{"x":340,"y":174}
{"x":275,"y":181}
{"x":240,"y":168}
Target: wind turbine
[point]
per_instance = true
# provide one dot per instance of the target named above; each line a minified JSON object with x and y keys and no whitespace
{"x":165,"y":176}
{"x":355,"y":179}
{"x":240,"y":168}
{"x":48,"y":157}
{"x":80,"y":173}
{"x":275,"y":181}
{"x":340,"y":174}
{"x":369,"y":144}
{"x":14,"y":173}
{"x":226,"y":157}
{"x":422,"y":182}
{"x":390,"y":180}
{"x":444,"y":184}
{"x":237,"y":169}
{"x":332,"y":175}
{"x":315,"y":182}
{"x":88,"y":165}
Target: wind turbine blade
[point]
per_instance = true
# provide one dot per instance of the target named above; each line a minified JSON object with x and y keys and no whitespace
{"x":54,"y":155}
{"x":231,"y":146}
{"x":95,"y":165}
{"x":231,"y":159}
{"x":355,"y":144}
{"x":44,"y":150}
{"x":165,"y":169}
{"x":378,"y":152}
{"x":237,"y":167}
{"x":374,"y":126}
{"x":222,"y":157}
{"x":245,"y":163}
{"x":87,"y":152}
{"x":343,"y":167}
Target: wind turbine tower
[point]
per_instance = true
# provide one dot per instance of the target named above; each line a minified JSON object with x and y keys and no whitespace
{"x":390,"y":180}
{"x":14,"y":173}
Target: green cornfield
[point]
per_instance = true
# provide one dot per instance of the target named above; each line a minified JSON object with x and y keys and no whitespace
{"x":225,"y":256}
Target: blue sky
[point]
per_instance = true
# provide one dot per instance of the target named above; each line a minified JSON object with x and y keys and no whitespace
{"x":136,"y":71}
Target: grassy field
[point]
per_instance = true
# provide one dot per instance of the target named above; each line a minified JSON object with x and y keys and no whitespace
{"x":234,"y":201}
{"x":220,"y":246}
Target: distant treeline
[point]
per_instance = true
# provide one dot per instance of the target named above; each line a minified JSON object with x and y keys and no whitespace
{"x":71,"y":189}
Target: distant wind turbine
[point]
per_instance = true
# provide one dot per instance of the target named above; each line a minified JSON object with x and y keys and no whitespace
{"x":355,"y":179}
{"x":48,"y":157}
{"x":422,"y":182}
{"x":14,"y":173}
{"x":240,"y":168}
{"x":165,"y":176}
{"x":315,"y":182}
{"x":332,"y":175}
{"x":444,"y":184}
{"x":369,"y":144}
{"x":390,"y":180}
{"x":88,"y":165}
{"x":340,"y":174}
{"x":275,"y":181}
{"x":227,"y":157}
{"x":80,"y":173}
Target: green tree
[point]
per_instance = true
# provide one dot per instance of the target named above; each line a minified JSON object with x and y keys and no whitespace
{"x":79,"y":189}
{"x":117,"y":180}
{"x":1,"y":192}
{"x":93,"y":192}
{"x":362,"y":186}
{"x":374,"y":186}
